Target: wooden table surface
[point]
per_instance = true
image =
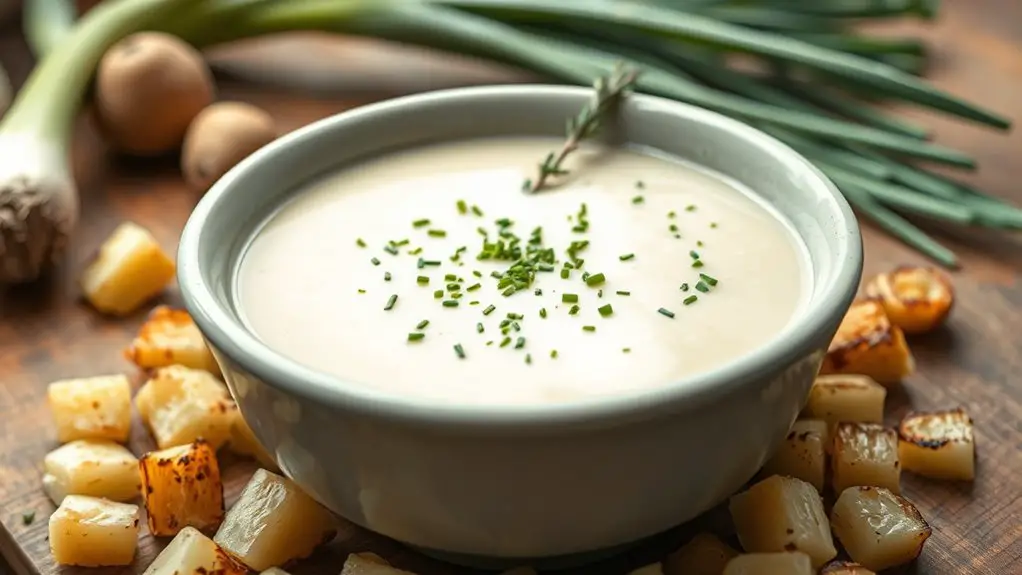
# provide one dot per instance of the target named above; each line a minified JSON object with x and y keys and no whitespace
{"x":47,"y":334}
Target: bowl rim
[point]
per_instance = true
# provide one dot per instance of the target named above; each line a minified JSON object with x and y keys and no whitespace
{"x":818,"y":317}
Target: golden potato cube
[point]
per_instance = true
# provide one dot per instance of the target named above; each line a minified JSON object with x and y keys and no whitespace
{"x":704,"y":554}
{"x":170,"y":337}
{"x":865,"y":454}
{"x":130,"y":269}
{"x":878,"y":528}
{"x":93,"y":532}
{"x":803,"y":453}
{"x":244,"y":442}
{"x":938,"y":445}
{"x":868,"y":343}
{"x":845,"y":568}
{"x":917,"y":299}
{"x":274,"y":522}
{"x":784,"y":563}
{"x":180,"y":405}
{"x":369,"y":564}
{"x":91,"y":408}
{"x":181,"y":487}
{"x":93,"y":467}
{"x":783,"y":514}
{"x":192,"y":553}
{"x":846,"y":397}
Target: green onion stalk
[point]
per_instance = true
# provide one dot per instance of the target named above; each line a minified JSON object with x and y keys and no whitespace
{"x":807,"y":88}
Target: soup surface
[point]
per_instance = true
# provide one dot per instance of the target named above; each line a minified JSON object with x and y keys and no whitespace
{"x":430,"y":272}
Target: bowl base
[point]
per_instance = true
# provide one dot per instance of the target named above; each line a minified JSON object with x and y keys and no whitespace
{"x":552,"y":563}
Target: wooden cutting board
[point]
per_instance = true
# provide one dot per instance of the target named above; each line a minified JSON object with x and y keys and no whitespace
{"x":47,"y":334}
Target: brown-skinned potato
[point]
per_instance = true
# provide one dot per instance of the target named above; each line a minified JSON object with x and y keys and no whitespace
{"x":221,"y":136}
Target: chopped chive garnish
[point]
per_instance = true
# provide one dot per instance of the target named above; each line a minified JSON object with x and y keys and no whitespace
{"x":422,"y":324}
{"x":462,"y":207}
{"x":626,"y":257}
{"x":640,"y":184}
{"x":553,"y":354}
{"x":420,"y":223}
{"x":690,"y":300}
{"x":361,"y":290}
{"x":386,"y":276}
{"x":512,"y":315}
{"x":569,"y":297}
{"x":622,"y":292}
{"x":390,"y":303}
{"x":360,"y":243}
{"x":454,"y":286}
{"x":702,"y":287}
{"x":450,"y":277}
{"x":599,"y":293}
{"x":605,"y":310}
{"x":713,"y":224}
{"x":505,"y":342}
{"x":422,"y":280}
{"x":376,"y":261}
{"x":480,"y":328}
{"x":690,"y":208}
{"x":450,"y":303}
{"x":673,"y":227}
{"x":626,"y":350}
{"x":437,"y":233}
{"x":684,"y":287}
{"x":489,"y":309}
{"x":460,"y":351}
{"x":712,"y":281}
{"x":694,"y":254}
{"x":520,"y":343}
{"x":565,"y":272}
{"x":528,"y":358}
{"x":474,"y":302}
{"x":589,"y":328}
{"x":438,"y":294}
{"x":542,"y":312}
{"x":665,"y":312}
{"x":697,"y":264}
{"x":699,"y":243}
{"x":671,"y":214}
{"x":477,"y":273}
{"x":595,"y":280}
{"x":424,"y":263}
{"x":638,"y":200}
{"x":538,"y":292}
{"x":416,"y":336}
{"x":473,"y":287}
{"x":574,"y":310}
{"x":415,"y":252}
{"x":509,"y":291}
{"x":477,"y":211}
{"x":390,"y":249}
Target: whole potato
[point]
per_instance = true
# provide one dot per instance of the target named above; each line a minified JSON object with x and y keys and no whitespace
{"x":222,"y":135}
{"x":149,"y":88}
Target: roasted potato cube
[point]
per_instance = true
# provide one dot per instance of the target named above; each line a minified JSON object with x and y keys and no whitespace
{"x":917,"y":299}
{"x":130,"y":269}
{"x":93,"y":532}
{"x":93,"y":467}
{"x":803,"y":453}
{"x":846,"y":397}
{"x":784,"y":563}
{"x":91,"y":408}
{"x":865,"y":454}
{"x":651,"y":569}
{"x":192,"y":553}
{"x":704,"y":554}
{"x":274,"y":522}
{"x":369,"y":564}
{"x":244,"y":442}
{"x":868,"y":343}
{"x":180,"y":405}
{"x":878,"y":528}
{"x":938,"y":444}
{"x":845,"y":568}
{"x":170,"y":337}
{"x":181,"y":487}
{"x":783,"y":514}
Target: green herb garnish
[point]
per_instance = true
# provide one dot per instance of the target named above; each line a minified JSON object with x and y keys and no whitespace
{"x":460,"y":351}
{"x":665,"y":312}
{"x":376,"y":261}
{"x":450,"y":303}
{"x":690,"y":300}
{"x":420,"y":223}
{"x":437,"y":233}
{"x":605,"y":310}
{"x":416,"y":336}
{"x":589,"y":328}
{"x":360,"y":243}
{"x":622,"y":292}
{"x":386,"y":276}
{"x":711,"y":281}
{"x":462,"y":207}
{"x":390,"y":303}
{"x":595,"y":280}
{"x":438,"y":294}
{"x":626,"y":257}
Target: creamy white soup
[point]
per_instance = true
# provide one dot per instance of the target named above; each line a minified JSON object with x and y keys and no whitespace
{"x":431,"y":273}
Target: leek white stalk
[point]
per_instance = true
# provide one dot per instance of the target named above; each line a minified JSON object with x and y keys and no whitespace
{"x":38,"y":198}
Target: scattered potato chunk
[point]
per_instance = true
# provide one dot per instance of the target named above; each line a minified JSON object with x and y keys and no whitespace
{"x":705,"y":554}
{"x":917,"y":299}
{"x":878,"y":528}
{"x":274,"y":522}
{"x":91,"y":408}
{"x":938,"y":444}
{"x":846,"y":397}
{"x":130,"y":269}
{"x":803,"y":453}
{"x":369,"y":564}
{"x":180,"y":405}
{"x":244,"y":442}
{"x":181,"y":487}
{"x":866,"y":454}
{"x":93,"y":467}
{"x":868,"y":343}
{"x":170,"y":337}
{"x":845,"y":568}
{"x":651,"y":569}
{"x":192,"y":553}
{"x":770,"y":564}
{"x":783,"y":514}
{"x":93,"y":532}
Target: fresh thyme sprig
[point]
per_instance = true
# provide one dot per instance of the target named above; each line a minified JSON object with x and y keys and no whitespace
{"x":609,"y":91}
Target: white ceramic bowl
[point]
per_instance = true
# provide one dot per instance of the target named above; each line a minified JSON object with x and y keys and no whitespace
{"x":519,"y":482}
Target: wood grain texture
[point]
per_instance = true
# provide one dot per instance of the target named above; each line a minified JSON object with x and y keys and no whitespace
{"x":46,"y":333}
